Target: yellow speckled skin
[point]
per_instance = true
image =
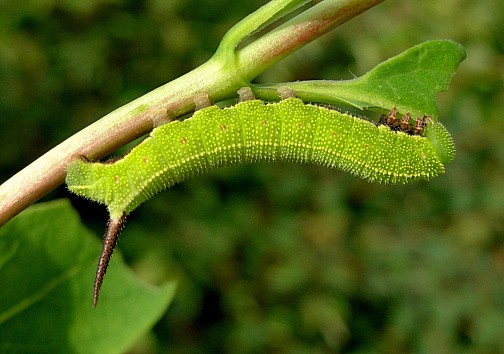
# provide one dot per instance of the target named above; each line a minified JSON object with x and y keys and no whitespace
{"x":253,"y":131}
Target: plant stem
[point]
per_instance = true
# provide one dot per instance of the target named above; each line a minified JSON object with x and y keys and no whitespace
{"x":214,"y":78}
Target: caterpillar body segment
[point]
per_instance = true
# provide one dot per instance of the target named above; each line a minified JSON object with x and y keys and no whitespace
{"x":253,"y":131}
{"x":394,"y":151}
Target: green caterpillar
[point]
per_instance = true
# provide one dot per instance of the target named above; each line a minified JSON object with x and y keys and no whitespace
{"x":253,"y":131}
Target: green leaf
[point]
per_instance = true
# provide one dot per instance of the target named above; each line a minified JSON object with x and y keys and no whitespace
{"x":408,"y":81}
{"x":47,"y":265}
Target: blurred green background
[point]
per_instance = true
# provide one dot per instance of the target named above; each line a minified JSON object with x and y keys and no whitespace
{"x":282,"y":258}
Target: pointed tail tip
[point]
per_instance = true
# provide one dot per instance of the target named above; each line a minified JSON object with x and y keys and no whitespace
{"x":96,"y":288}
{"x":109,"y":242}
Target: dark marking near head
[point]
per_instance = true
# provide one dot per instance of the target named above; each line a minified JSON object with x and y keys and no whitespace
{"x":392,"y":118}
{"x":405,"y":123}
{"x":420,"y":124}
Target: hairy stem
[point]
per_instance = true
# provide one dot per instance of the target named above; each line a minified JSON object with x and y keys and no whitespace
{"x":214,"y":78}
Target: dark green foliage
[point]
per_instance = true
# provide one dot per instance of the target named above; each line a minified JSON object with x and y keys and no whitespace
{"x":45,"y":304}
